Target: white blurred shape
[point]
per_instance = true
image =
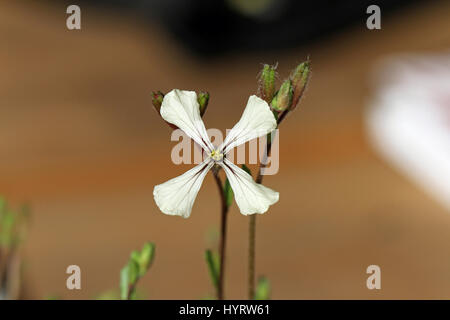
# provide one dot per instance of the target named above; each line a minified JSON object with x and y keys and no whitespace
{"x":409,"y":120}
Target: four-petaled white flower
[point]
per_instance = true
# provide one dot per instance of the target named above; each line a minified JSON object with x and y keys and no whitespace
{"x":176,"y":196}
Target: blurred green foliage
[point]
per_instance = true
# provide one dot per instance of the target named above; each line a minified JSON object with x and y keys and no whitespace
{"x":13,"y":225}
{"x":13,"y":232}
{"x":262,"y":289}
{"x":136,"y":267}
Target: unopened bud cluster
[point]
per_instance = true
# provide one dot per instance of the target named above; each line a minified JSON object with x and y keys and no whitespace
{"x":287,"y":97}
{"x":281,"y":101}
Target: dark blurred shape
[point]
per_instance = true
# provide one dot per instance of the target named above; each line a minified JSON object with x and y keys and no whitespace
{"x":215,"y":27}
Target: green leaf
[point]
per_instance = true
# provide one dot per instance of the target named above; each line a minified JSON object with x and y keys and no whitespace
{"x":135,"y":256}
{"x":262,"y":289}
{"x":212,"y":261}
{"x":246,"y":169}
{"x":128,"y":278}
{"x":124,"y":281}
{"x":136,"y":267}
{"x":228,"y":191}
{"x":146,"y":257}
{"x":133,"y":272}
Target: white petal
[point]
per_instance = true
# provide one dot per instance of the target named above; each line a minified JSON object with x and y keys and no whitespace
{"x":251,"y":197}
{"x":181,"y":108}
{"x":176,"y":196}
{"x":256,"y":121}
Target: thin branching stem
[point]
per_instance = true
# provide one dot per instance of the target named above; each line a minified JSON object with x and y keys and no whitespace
{"x":223,"y":235}
{"x":252,"y":223}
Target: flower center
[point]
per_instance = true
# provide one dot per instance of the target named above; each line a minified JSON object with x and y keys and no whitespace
{"x":216,"y":155}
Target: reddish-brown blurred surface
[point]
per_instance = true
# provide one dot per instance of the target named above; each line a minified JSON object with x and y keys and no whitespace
{"x":80,"y":141}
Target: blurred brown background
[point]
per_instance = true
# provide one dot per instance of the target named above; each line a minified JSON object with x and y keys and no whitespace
{"x":81,"y":142}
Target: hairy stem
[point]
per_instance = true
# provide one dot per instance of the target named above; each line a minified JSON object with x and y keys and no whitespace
{"x":223,"y":236}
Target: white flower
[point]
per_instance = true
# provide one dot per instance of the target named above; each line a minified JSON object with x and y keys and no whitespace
{"x":176,"y":196}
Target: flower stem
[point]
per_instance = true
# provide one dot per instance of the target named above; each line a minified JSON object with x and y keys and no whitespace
{"x":252,"y":223}
{"x":251,"y":257}
{"x":223,"y":236}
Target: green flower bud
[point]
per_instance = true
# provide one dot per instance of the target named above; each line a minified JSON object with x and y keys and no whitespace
{"x":283,"y":99}
{"x":266,"y":87}
{"x":299,"y":78}
{"x":203,"y":99}
{"x":157,"y":99}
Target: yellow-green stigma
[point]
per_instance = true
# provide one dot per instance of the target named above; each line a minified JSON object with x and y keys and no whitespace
{"x":216,"y":155}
